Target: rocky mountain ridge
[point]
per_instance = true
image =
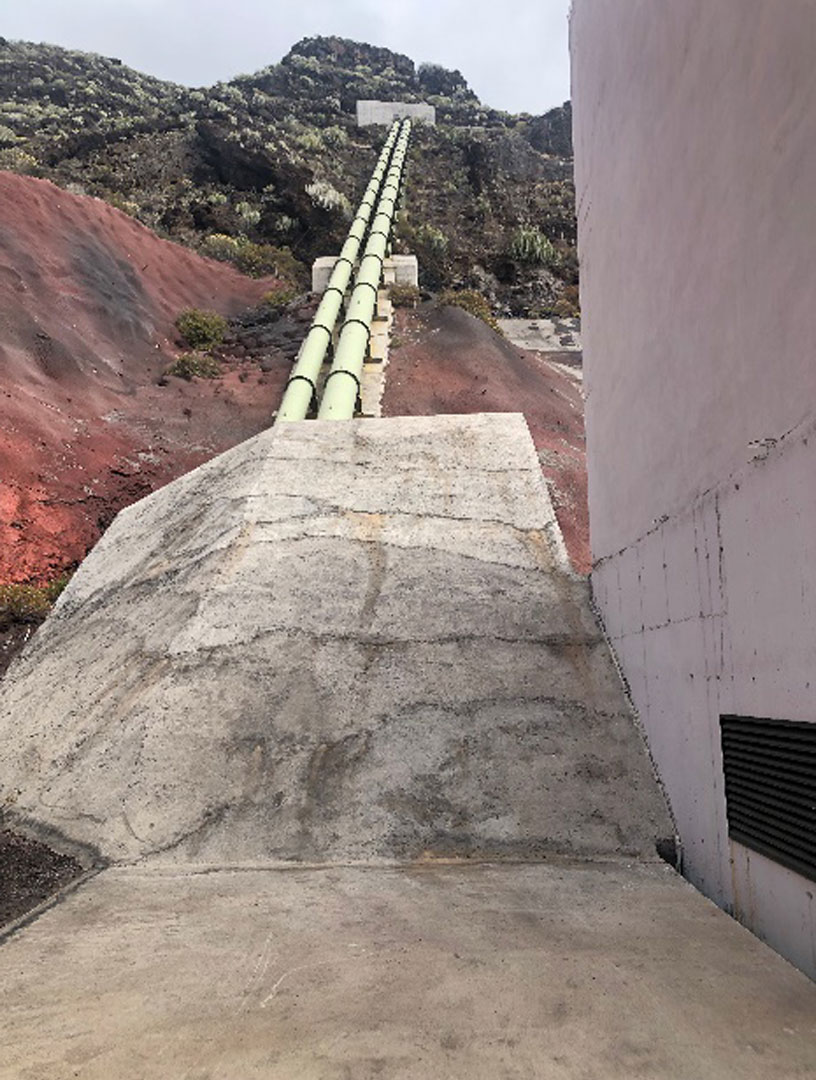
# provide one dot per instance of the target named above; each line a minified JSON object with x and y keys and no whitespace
{"x":264,"y":170}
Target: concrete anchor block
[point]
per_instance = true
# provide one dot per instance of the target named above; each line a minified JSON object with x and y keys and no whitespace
{"x":378,"y":348}
{"x":321,"y":272}
{"x":397,"y":270}
{"x":404,"y":268}
{"x":385,"y":112}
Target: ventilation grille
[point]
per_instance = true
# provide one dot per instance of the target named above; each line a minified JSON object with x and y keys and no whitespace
{"x":770,"y":788}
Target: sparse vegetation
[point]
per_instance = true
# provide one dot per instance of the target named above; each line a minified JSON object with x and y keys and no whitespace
{"x":278,"y":299}
{"x":568,"y":304}
{"x":19,"y":161}
{"x":262,"y":260}
{"x":473,"y":303}
{"x":256,"y":260}
{"x":29,"y":603}
{"x":404,"y":295}
{"x":263,"y":171}
{"x":220,"y":246}
{"x":528,"y":244}
{"x":127,"y":206}
{"x":201,"y":329}
{"x":194,"y":365}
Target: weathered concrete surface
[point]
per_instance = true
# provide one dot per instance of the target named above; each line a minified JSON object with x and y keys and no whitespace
{"x":336,"y":641}
{"x":544,"y":335}
{"x":603,"y":972}
{"x":386,"y":112}
{"x":695,"y":152}
{"x":401,"y":270}
{"x":397,"y":270}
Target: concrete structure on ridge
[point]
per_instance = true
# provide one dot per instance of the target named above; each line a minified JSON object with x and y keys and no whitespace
{"x":397,"y":269}
{"x":385,"y":112}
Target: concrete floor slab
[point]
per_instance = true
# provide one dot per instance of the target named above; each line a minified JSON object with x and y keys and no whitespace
{"x":560,"y":972}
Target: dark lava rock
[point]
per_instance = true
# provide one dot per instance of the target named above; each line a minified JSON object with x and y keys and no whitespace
{"x":30,"y":872}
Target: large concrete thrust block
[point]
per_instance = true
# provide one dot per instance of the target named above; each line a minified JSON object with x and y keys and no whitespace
{"x":397,"y":269}
{"x":386,"y":112}
{"x":335,"y":641}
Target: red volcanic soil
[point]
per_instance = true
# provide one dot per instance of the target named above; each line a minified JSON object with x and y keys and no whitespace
{"x":443,"y":360}
{"x":88,"y":298}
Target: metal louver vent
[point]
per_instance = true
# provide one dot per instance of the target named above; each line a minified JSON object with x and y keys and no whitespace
{"x":770,"y":788}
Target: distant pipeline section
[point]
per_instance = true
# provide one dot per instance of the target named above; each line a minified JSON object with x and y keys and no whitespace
{"x":341,"y":392}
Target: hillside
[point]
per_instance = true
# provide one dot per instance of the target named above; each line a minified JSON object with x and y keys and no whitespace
{"x":271,"y":163}
{"x":88,"y":421}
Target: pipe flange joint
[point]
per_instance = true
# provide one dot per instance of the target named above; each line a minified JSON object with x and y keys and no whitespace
{"x":360,"y":322}
{"x":322,"y":326}
{"x":358,"y":403}
{"x":306,"y":379}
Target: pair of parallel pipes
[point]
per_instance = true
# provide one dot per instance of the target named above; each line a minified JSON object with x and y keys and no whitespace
{"x":341,"y":392}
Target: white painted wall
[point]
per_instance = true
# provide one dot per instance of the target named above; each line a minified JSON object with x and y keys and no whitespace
{"x":695,"y":142}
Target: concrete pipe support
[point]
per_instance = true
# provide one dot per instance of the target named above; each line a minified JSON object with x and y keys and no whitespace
{"x":341,"y":394}
{"x":300,"y":394}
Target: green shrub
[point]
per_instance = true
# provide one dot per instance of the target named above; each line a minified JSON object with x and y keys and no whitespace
{"x":428,"y":236}
{"x":278,"y":299}
{"x":220,"y":246}
{"x":311,"y":141}
{"x":260,"y":260}
{"x":29,"y":603}
{"x":19,"y":161}
{"x":404,"y":295}
{"x":568,"y":305}
{"x":529,"y":244}
{"x":255,"y":260}
{"x":248,"y":213}
{"x":190,"y":365}
{"x":472,"y":302}
{"x":201,"y":329}
{"x":119,"y":202}
{"x":335,"y":137}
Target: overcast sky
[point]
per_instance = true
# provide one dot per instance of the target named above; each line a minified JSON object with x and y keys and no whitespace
{"x":514,"y":55}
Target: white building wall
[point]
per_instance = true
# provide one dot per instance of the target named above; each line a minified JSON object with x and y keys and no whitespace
{"x":695,"y":142}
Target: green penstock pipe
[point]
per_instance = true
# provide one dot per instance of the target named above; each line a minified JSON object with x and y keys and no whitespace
{"x":341,"y":393}
{"x":300,"y":392}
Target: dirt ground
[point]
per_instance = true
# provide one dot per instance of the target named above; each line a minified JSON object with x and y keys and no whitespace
{"x":88,"y":300}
